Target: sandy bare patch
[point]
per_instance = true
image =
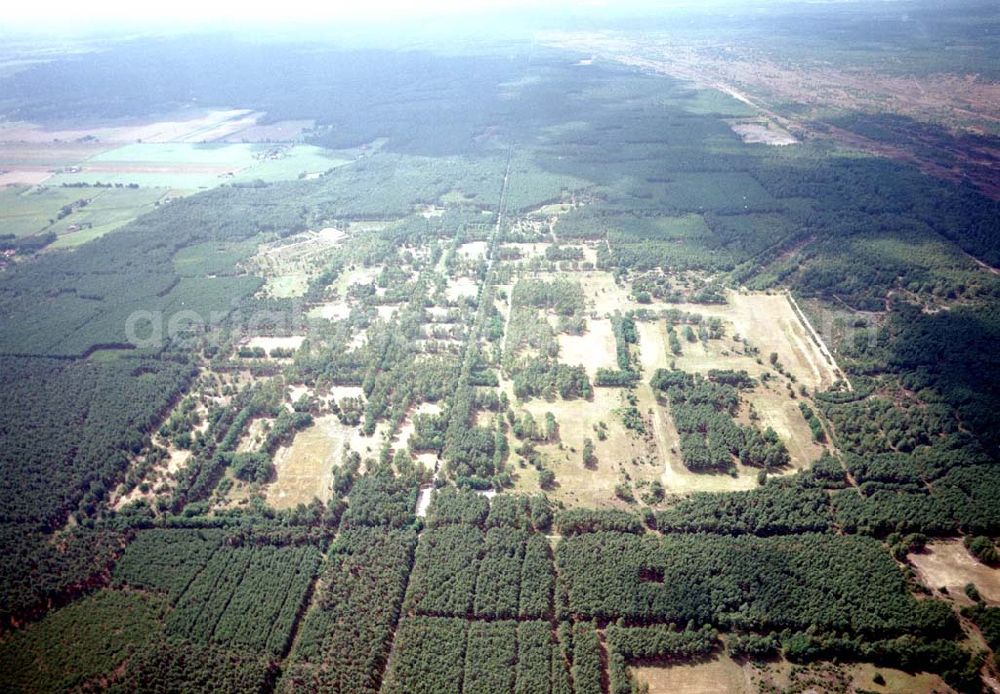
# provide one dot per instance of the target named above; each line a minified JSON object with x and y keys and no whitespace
{"x":529,"y":250}
{"x":356,"y":275}
{"x":769,"y":322}
{"x":772,"y":404}
{"x":594,"y":349}
{"x":780,"y":412}
{"x":253,"y":437}
{"x":292,"y":342}
{"x":305,"y":469}
{"x":718,"y":676}
{"x":424,"y":501}
{"x":331,"y":310}
{"x":896,"y":681}
{"x":577,"y":485}
{"x":762,"y":132}
{"x":402,"y":437}
{"x":461,"y":288}
{"x":474,"y":250}
{"x":340,"y":392}
{"x":603,"y":296}
{"x":948,"y":564}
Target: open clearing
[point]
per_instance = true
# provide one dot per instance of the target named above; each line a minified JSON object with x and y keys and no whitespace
{"x":896,"y":681}
{"x":771,"y":402}
{"x":305,"y":469}
{"x":576,"y":484}
{"x":461,"y":288}
{"x":474,"y":250}
{"x":292,"y":342}
{"x":594,"y":349}
{"x":718,"y":676}
{"x":770,"y":324}
{"x":762,"y":132}
{"x":946,"y":563}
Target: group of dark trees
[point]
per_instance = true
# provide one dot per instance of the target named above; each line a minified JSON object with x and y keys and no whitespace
{"x":703,"y":410}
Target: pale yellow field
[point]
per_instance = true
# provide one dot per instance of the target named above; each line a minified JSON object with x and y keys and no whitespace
{"x":594,"y":349}
{"x":461,"y":288}
{"x":192,"y":125}
{"x":402,"y":437}
{"x":292,"y":342}
{"x":718,"y":676}
{"x":769,"y":322}
{"x":604,"y":297}
{"x":780,"y":412}
{"x":896,"y":681}
{"x":947,"y":563}
{"x":305,"y":469}
{"x":473,"y":250}
{"x":254,"y":435}
{"x":577,"y":485}
{"x":331,"y":310}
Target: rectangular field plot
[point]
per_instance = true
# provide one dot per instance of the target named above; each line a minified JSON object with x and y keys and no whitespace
{"x":718,"y":676}
{"x":768,"y":322}
{"x":578,"y":484}
{"x":594,"y":349}
{"x":304,"y":470}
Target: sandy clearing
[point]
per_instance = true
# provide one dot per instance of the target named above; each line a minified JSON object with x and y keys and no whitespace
{"x":402,"y":438}
{"x":429,"y":461}
{"x":356,"y":275}
{"x":331,"y":310}
{"x":773,"y":405}
{"x":280,"y":131}
{"x":292,"y":342}
{"x":782,"y":413}
{"x":718,"y":676}
{"x":762,"y":132}
{"x":338,"y":393}
{"x":677,"y":479}
{"x":896,"y":681}
{"x":577,"y":485}
{"x":254,"y":435}
{"x":603,"y":296}
{"x":594,"y":349}
{"x":424,"y":501}
{"x":529,"y":250}
{"x":297,"y":391}
{"x":461,"y":288}
{"x":474,"y":250}
{"x":770,"y":323}
{"x":947,"y":563}
{"x":305,"y":468}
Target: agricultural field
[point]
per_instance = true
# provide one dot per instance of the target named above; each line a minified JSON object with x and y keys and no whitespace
{"x":485,"y":370}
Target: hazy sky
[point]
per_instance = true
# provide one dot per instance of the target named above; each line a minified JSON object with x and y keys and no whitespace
{"x":91,"y":12}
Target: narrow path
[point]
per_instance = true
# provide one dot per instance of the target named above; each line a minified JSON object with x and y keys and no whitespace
{"x":817,"y":339}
